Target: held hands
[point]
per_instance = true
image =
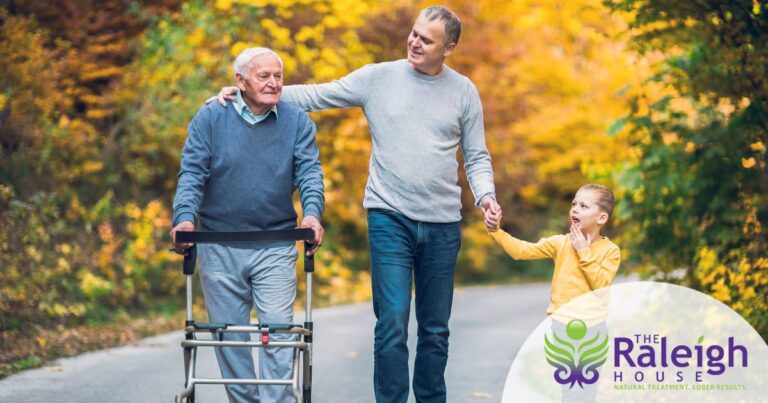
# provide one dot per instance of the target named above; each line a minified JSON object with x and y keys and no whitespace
{"x":577,"y":238}
{"x":312,"y":222}
{"x":226,"y":93}
{"x":491,"y":213}
{"x":182,"y":226}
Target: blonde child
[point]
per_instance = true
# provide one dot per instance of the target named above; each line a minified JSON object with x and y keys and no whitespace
{"x":584,"y":260}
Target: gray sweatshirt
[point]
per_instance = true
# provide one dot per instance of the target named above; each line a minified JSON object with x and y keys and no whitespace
{"x":417,"y":123}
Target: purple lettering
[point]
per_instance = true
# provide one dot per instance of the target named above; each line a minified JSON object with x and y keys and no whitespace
{"x":647,"y":358}
{"x":732,"y":348}
{"x":699,"y":355}
{"x":680,"y":352}
{"x":715,"y":353}
{"x":619,"y":351}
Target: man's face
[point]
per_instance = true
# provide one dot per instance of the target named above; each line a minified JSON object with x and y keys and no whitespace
{"x":262,"y":86}
{"x":426,"y":45}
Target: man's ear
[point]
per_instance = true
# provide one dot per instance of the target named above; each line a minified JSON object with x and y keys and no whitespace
{"x":449,"y":49}
{"x":602,"y":218}
{"x":240,"y":81}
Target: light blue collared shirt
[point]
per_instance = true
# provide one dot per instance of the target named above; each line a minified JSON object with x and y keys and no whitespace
{"x":244,"y":111}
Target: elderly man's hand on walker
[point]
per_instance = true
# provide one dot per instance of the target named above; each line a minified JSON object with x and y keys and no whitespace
{"x":181,"y":248}
{"x":312,"y":222}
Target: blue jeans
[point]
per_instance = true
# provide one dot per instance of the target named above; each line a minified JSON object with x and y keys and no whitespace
{"x":402,"y":250}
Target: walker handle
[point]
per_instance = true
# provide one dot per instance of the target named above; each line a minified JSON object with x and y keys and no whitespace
{"x":189,"y":260}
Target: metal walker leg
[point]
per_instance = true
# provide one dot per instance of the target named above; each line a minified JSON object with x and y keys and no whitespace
{"x":301,"y":382}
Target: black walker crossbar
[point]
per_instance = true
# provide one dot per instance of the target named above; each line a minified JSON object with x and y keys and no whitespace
{"x":301,"y":382}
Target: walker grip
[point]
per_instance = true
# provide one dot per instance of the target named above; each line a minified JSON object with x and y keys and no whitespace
{"x":189,"y":260}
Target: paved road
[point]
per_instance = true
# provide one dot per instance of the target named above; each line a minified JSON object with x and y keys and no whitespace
{"x":488,"y":326}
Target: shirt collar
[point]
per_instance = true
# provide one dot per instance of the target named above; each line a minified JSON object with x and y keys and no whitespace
{"x":243,"y":110}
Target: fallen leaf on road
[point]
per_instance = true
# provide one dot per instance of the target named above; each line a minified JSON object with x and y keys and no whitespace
{"x":482,"y":395}
{"x":352,"y":354}
{"x":54,"y":368}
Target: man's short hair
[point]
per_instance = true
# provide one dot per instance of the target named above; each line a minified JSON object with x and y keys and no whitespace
{"x":449,"y":18}
{"x":605,"y":199}
{"x":244,"y":61}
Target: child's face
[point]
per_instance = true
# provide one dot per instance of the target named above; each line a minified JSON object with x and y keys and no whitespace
{"x":585,"y":212}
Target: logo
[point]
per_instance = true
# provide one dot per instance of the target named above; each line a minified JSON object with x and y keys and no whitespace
{"x":576,"y":361}
{"x":650,"y":342}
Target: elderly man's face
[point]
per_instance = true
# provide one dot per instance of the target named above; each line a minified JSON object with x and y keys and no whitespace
{"x":426,"y":45}
{"x":262,"y":86}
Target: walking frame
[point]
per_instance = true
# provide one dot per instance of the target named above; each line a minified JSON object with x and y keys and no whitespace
{"x":301,"y":382}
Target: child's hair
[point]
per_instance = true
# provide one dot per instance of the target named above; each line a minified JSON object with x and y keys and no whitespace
{"x":605,"y":197}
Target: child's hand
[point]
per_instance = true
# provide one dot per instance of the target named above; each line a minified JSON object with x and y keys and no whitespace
{"x":577,"y":238}
{"x":491,"y":214}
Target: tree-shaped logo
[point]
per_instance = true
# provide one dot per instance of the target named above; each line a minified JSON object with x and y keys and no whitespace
{"x":576,"y":361}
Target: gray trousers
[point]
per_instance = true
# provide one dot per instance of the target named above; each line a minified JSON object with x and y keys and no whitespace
{"x":234,"y":279}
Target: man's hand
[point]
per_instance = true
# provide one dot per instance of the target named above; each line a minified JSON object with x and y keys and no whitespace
{"x":226,"y":93}
{"x":491,"y":213}
{"x":182,"y":226}
{"x":577,"y":238}
{"x":312,"y":222}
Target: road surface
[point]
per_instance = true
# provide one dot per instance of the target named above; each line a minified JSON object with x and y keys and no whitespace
{"x":488,"y":326}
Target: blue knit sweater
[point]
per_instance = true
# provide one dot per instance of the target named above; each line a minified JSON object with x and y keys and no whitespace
{"x":237,"y":176}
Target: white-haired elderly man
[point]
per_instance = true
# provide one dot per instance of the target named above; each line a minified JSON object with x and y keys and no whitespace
{"x":239,"y":168}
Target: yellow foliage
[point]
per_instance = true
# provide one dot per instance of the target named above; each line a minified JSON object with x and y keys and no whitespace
{"x":306,"y":33}
{"x":331,"y":21}
{"x":238,"y":47}
{"x":34,"y":254}
{"x":280,"y":35}
{"x":93,"y":72}
{"x":65,"y":248}
{"x":92,"y":166}
{"x":639,"y":195}
{"x":224,"y":5}
{"x":93,"y":285}
{"x":720,"y":291}
{"x":196,"y":38}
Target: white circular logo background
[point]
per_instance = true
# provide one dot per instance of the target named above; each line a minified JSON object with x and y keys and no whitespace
{"x":641,"y":341}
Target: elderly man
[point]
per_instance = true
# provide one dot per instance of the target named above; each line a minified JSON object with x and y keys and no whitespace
{"x":239,"y":168}
{"x":420,"y":112}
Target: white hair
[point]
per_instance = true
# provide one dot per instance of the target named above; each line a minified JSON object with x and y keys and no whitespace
{"x":244,"y":61}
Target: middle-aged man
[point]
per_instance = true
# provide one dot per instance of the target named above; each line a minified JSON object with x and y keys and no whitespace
{"x":420,"y":112}
{"x":239,"y":168}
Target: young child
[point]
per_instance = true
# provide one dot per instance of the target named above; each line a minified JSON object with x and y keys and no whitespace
{"x":584,"y":260}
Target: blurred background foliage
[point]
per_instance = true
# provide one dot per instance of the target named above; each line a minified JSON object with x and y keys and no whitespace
{"x":667,"y":102}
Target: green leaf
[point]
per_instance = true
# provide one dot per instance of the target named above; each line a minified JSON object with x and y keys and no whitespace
{"x":617,"y":126}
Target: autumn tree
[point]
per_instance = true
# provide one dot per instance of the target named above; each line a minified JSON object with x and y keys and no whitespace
{"x":695,"y":193}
